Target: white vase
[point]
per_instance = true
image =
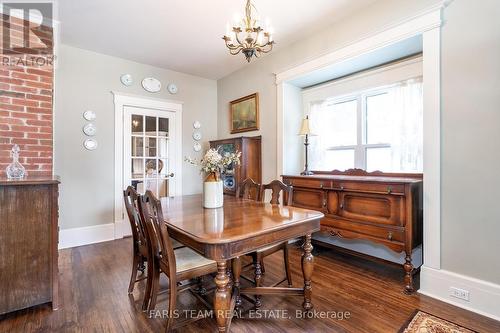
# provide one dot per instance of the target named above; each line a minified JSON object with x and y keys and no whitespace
{"x":213,"y":194}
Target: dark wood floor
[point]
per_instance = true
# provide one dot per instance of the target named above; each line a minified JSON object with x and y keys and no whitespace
{"x":94,"y":298}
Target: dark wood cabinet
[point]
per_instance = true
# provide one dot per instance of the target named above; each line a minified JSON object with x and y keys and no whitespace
{"x":28,"y":243}
{"x":251,"y":161}
{"x":379,"y":207}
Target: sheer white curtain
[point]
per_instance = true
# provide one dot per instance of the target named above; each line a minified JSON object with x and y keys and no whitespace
{"x":407,"y":129}
{"x":318,"y":121}
{"x":403,"y":114}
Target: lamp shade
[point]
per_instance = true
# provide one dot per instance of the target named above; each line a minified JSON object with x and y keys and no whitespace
{"x":305,"y":129}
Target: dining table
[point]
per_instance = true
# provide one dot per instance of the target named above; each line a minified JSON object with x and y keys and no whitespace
{"x":239,"y":227}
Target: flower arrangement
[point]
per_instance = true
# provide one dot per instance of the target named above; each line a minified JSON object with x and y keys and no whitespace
{"x":215,"y":163}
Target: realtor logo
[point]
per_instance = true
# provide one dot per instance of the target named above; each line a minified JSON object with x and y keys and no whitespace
{"x":27,"y":28}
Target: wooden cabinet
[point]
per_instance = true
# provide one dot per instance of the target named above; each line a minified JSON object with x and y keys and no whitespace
{"x":251,"y":161}
{"x":28,"y":243}
{"x":379,"y":207}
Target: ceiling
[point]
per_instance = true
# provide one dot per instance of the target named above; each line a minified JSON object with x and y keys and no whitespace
{"x":185,"y":35}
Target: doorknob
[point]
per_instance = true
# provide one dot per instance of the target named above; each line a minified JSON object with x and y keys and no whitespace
{"x":171,"y":175}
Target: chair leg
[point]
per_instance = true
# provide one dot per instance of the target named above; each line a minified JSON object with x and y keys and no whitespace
{"x":133,"y":276}
{"x":258,"y":280}
{"x":287,"y":265}
{"x":155,"y":286}
{"x":262,"y":268}
{"x":172,"y":299}
{"x":149,"y":282}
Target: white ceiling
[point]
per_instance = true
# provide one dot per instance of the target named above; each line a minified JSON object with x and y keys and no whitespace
{"x":185,"y":35}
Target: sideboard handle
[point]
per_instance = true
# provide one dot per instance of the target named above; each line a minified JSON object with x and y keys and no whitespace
{"x":334,"y":233}
{"x":389,"y":236}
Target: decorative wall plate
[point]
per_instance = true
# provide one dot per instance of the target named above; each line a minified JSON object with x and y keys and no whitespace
{"x":197,"y":135}
{"x":126,"y":80}
{"x":197,"y":147}
{"x":90,"y":144}
{"x":172,"y":88}
{"x":151,"y":84}
{"x":89,"y":129}
{"x":89,"y":115}
{"x":196,"y":125}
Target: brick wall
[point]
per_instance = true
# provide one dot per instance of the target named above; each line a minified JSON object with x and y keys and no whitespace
{"x":26,"y":104}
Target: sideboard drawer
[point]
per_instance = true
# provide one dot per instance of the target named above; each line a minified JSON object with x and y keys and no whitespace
{"x":309,"y":198}
{"x":309,"y":183}
{"x":379,"y":188}
{"x":381,"y":233}
{"x":372,"y":208}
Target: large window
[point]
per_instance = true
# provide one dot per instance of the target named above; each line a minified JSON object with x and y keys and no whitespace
{"x":376,"y":129}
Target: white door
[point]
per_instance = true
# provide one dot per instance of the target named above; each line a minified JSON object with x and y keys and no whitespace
{"x":149,"y":152}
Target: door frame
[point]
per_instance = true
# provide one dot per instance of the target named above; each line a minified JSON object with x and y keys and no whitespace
{"x":122,"y":100}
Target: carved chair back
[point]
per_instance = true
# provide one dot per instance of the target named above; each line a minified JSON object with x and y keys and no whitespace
{"x":277,"y":188}
{"x":139,"y":233}
{"x":249,"y":189}
{"x":161,"y":243}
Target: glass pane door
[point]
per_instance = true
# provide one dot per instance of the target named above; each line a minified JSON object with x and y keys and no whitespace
{"x":147,"y":151}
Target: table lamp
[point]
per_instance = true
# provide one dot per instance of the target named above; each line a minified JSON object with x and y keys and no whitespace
{"x":306,"y":131}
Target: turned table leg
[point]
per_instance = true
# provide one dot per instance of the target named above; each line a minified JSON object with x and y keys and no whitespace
{"x":236,"y":275}
{"x":307,"y":270}
{"x":408,"y":267}
{"x":222,"y":299}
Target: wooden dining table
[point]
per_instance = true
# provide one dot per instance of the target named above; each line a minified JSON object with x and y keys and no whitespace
{"x":241,"y":226}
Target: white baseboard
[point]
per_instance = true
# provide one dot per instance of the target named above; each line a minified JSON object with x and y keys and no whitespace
{"x":484,"y":296}
{"x":86,"y":235}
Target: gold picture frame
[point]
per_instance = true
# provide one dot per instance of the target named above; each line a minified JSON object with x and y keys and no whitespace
{"x":244,"y":114}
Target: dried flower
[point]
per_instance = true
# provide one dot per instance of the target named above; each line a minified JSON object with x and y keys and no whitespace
{"x":215,"y":162}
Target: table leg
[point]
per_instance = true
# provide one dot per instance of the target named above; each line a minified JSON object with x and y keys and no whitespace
{"x":307,"y":270}
{"x":222,"y":300}
{"x":258,"y":280}
{"x":236,"y":275}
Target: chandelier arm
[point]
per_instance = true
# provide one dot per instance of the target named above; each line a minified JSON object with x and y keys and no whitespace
{"x":237,"y":36}
{"x":232,"y":46}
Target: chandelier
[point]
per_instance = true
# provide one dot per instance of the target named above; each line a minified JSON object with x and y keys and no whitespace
{"x":247,"y":36}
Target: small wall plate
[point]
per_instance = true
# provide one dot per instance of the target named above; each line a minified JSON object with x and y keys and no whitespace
{"x":90,"y":144}
{"x":126,"y":80}
{"x":151,"y":84}
{"x":89,"y":129}
{"x":89,"y":115}
{"x":196,"y":125}
{"x":172,"y":88}
{"x":196,"y":147}
{"x":197,"y":135}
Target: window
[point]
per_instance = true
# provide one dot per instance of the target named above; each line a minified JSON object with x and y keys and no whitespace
{"x":377,"y":129}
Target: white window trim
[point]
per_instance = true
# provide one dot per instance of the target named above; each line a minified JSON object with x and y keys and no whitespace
{"x":121,"y":100}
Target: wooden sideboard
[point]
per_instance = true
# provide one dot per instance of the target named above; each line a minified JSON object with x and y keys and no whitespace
{"x":28,"y":243}
{"x":251,"y":161}
{"x":379,"y":207}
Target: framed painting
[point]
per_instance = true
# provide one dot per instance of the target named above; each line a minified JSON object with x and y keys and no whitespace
{"x":244,"y":114}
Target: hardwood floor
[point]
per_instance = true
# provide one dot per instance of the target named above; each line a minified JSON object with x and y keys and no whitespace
{"x":93,"y":298}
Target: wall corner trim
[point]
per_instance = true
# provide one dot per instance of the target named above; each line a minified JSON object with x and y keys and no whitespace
{"x":484,"y":295}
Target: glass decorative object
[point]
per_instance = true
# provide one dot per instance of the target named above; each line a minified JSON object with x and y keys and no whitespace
{"x":15,"y":170}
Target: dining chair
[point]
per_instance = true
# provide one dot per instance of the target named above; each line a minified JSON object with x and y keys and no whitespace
{"x":249,"y":189}
{"x":285,"y":192}
{"x":140,"y":253}
{"x":178,"y":265}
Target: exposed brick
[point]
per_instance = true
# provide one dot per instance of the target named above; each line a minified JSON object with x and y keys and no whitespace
{"x":11,"y":107}
{"x":24,"y":76}
{"x":39,"y":135}
{"x":17,"y":81}
{"x":23,"y":115}
{"x":33,"y":122}
{"x":12,"y":121}
{"x":33,"y":84}
{"x":39,"y":98}
{"x":23,"y":89}
{"x":11,"y":134}
{"x":39,"y":72}
{"x":24,"y":102}
{"x":39,"y":110}
{"x":25,"y":129}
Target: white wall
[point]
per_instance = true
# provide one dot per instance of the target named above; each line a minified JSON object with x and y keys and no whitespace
{"x":84,"y":80}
